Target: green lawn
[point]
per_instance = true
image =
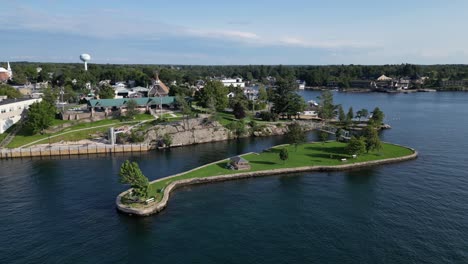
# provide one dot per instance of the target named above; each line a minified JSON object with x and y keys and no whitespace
{"x":22,"y":138}
{"x":310,"y":154}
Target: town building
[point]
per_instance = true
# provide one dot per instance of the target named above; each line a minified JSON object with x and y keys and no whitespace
{"x":237,"y":82}
{"x":6,"y":74}
{"x":12,"y":110}
{"x":158,"y":88}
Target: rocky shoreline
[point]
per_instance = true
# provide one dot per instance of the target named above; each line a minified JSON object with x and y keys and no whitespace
{"x":159,"y":206}
{"x":203,"y":130}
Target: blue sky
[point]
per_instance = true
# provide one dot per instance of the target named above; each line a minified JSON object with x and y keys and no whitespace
{"x":236,"y":32}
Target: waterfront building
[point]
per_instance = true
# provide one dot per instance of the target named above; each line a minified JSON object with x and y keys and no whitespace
{"x":301,"y":84}
{"x":12,"y":110}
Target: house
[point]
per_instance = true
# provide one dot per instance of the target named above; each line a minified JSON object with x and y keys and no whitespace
{"x":158,"y":88}
{"x":234,"y":82}
{"x":384,"y":78}
{"x":239,"y":163}
{"x":11,"y":110}
{"x":301,"y":84}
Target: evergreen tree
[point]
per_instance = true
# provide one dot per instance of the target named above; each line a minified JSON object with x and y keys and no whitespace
{"x":239,"y":111}
{"x":283,"y":154}
{"x":371,"y":138}
{"x":295,"y":135}
{"x":350,"y":114}
{"x":341,"y":114}
{"x":130,"y":173}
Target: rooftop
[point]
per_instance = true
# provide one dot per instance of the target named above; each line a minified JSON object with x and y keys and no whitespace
{"x":10,"y":101}
{"x":123,"y":101}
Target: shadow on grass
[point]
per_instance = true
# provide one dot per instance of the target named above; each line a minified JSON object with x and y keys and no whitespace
{"x":263,"y":162}
{"x":328,"y":156}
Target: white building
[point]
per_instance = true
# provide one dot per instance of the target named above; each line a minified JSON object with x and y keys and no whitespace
{"x":301,"y":84}
{"x":6,"y":74}
{"x":12,"y":109}
{"x":234,"y":82}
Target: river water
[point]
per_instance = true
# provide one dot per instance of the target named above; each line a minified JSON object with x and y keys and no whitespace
{"x":62,"y":210}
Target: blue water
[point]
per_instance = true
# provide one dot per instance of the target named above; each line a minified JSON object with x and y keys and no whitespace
{"x":62,"y":210}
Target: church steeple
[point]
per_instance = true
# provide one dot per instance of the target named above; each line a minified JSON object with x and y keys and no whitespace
{"x":10,"y":72}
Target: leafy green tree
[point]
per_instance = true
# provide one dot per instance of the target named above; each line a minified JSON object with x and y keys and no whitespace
{"x":40,"y":116}
{"x":341,"y":114}
{"x":372,"y":139}
{"x":323,"y":136}
{"x":356,"y":146}
{"x":377,"y":116}
{"x":283,"y":154}
{"x":295,"y":135}
{"x":9,"y":91}
{"x":214,"y":93}
{"x":106,"y":92}
{"x":238,"y":127}
{"x":285,"y":99}
{"x":132,"y":109}
{"x":327,"y":110}
{"x":239,"y":111}
{"x":350,"y":114}
{"x":167,"y":140}
{"x":130,"y":173}
{"x":262,"y":94}
{"x":50,"y":95}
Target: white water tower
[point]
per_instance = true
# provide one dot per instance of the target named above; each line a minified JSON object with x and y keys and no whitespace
{"x":85,"y":58}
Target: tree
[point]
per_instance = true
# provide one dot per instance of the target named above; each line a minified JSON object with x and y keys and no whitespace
{"x":323,"y":136}
{"x":130,"y":173}
{"x":350,"y":114}
{"x":356,"y":146}
{"x":167,"y":140}
{"x":341,"y":114}
{"x":238,"y":110}
{"x":216,"y":93}
{"x":40,"y":116}
{"x":185,"y":109}
{"x":9,"y":91}
{"x":327,"y":109}
{"x":377,"y":116}
{"x":371,"y":138}
{"x":262,"y":94}
{"x":295,"y":135}
{"x":132,"y":110}
{"x":283,"y":154}
{"x":106,"y":92}
{"x":362,"y":113}
{"x":285,"y":99}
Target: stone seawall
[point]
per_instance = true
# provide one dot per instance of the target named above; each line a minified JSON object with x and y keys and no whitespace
{"x":159,"y":206}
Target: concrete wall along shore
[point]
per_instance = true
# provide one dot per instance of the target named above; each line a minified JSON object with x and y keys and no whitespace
{"x":49,"y":151}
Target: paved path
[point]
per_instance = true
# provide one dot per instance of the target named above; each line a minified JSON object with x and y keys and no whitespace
{"x":82,"y":129}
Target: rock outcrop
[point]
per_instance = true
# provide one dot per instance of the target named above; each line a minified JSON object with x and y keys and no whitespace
{"x":203,"y":130}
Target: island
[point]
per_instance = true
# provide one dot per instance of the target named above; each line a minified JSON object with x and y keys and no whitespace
{"x":312,"y":156}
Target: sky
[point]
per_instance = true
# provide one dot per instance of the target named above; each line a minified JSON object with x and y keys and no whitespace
{"x":241,"y":32}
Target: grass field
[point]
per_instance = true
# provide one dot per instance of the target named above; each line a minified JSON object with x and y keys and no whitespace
{"x":310,"y":154}
{"x":22,"y":138}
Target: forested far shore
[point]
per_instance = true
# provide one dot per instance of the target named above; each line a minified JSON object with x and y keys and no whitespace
{"x":61,"y":74}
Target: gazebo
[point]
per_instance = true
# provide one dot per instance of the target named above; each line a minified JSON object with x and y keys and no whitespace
{"x":239,"y":163}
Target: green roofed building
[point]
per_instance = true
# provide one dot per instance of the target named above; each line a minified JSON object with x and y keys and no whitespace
{"x":141,"y":102}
